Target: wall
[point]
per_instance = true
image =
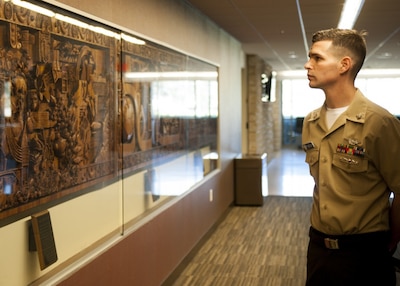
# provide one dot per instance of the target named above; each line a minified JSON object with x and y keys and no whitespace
{"x":277,"y":117}
{"x":92,"y":245}
{"x":263,"y":118}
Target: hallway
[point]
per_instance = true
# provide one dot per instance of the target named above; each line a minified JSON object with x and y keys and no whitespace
{"x":263,"y":246}
{"x":288,"y":174}
{"x":253,"y":246}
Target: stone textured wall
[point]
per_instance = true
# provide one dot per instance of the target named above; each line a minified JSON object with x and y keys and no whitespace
{"x":263,"y":118}
{"x":277,"y":118}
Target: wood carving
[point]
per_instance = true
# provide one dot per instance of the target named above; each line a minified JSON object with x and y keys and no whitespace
{"x":58,"y":109}
{"x":70,"y":118}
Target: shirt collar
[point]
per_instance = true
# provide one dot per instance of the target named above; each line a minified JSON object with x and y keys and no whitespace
{"x":358,"y":108}
{"x":355,"y":112}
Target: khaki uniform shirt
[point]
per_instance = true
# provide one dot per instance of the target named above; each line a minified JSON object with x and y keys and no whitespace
{"x":355,"y":166}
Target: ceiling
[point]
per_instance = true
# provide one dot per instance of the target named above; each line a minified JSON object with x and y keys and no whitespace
{"x":273,"y":29}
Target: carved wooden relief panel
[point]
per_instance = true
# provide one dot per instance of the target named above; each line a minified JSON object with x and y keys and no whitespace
{"x":57,"y":125}
{"x":80,"y":103}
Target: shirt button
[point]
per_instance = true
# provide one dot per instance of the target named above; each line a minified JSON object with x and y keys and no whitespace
{"x":323,"y":160}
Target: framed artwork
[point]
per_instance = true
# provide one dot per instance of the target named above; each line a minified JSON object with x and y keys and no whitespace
{"x":82,"y":103}
{"x":58,"y":108}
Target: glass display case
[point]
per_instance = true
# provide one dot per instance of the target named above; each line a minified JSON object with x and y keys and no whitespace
{"x":84,"y":105}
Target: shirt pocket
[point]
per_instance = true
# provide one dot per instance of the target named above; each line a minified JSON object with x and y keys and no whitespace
{"x":312,"y":157}
{"x":350,"y":163}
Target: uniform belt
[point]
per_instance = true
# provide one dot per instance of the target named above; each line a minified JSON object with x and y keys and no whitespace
{"x":377,"y":240}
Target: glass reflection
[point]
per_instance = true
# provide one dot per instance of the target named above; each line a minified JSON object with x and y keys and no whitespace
{"x":169,"y":111}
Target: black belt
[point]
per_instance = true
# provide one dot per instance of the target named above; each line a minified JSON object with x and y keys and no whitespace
{"x":370,"y":240}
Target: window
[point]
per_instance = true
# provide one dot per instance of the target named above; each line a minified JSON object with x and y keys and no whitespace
{"x":298,"y":99}
{"x":382,"y":91}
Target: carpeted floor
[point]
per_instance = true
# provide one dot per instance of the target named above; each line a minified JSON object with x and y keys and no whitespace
{"x":253,"y":246}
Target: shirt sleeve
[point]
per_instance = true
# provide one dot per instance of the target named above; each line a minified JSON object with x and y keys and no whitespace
{"x":386,"y":150}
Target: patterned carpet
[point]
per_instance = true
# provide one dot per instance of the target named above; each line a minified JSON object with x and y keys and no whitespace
{"x":252,"y":246}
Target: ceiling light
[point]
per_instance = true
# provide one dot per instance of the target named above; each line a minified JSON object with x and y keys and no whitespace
{"x":34,"y":7}
{"x":292,"y":55}
{"x":384,"y":56}
{"x":72,"y":21}
{"x":350,"y":12}
{"x":171,"y":75}
{"x":132,"y":40}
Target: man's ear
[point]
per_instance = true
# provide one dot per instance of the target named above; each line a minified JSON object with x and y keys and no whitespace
{"x":345,"y":64}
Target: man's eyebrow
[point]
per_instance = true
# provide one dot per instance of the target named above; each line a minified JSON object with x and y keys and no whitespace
{"x":313,"y":54}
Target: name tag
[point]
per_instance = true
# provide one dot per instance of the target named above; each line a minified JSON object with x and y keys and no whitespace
{"x":308,"y":146}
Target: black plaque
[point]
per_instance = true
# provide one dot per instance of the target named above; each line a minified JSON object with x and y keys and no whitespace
{"x":44,"y":239}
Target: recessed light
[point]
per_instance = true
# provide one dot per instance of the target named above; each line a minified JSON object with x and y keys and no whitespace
{"x":292,"y":55}
{"x":384,"y":56}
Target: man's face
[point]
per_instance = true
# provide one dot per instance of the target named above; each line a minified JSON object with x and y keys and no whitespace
{"x":323,"y":65}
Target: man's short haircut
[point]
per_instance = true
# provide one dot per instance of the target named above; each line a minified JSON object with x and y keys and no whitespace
{"x":351,"y":40}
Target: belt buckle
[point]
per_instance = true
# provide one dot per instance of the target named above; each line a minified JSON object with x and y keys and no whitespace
{"x":331,"y":243}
